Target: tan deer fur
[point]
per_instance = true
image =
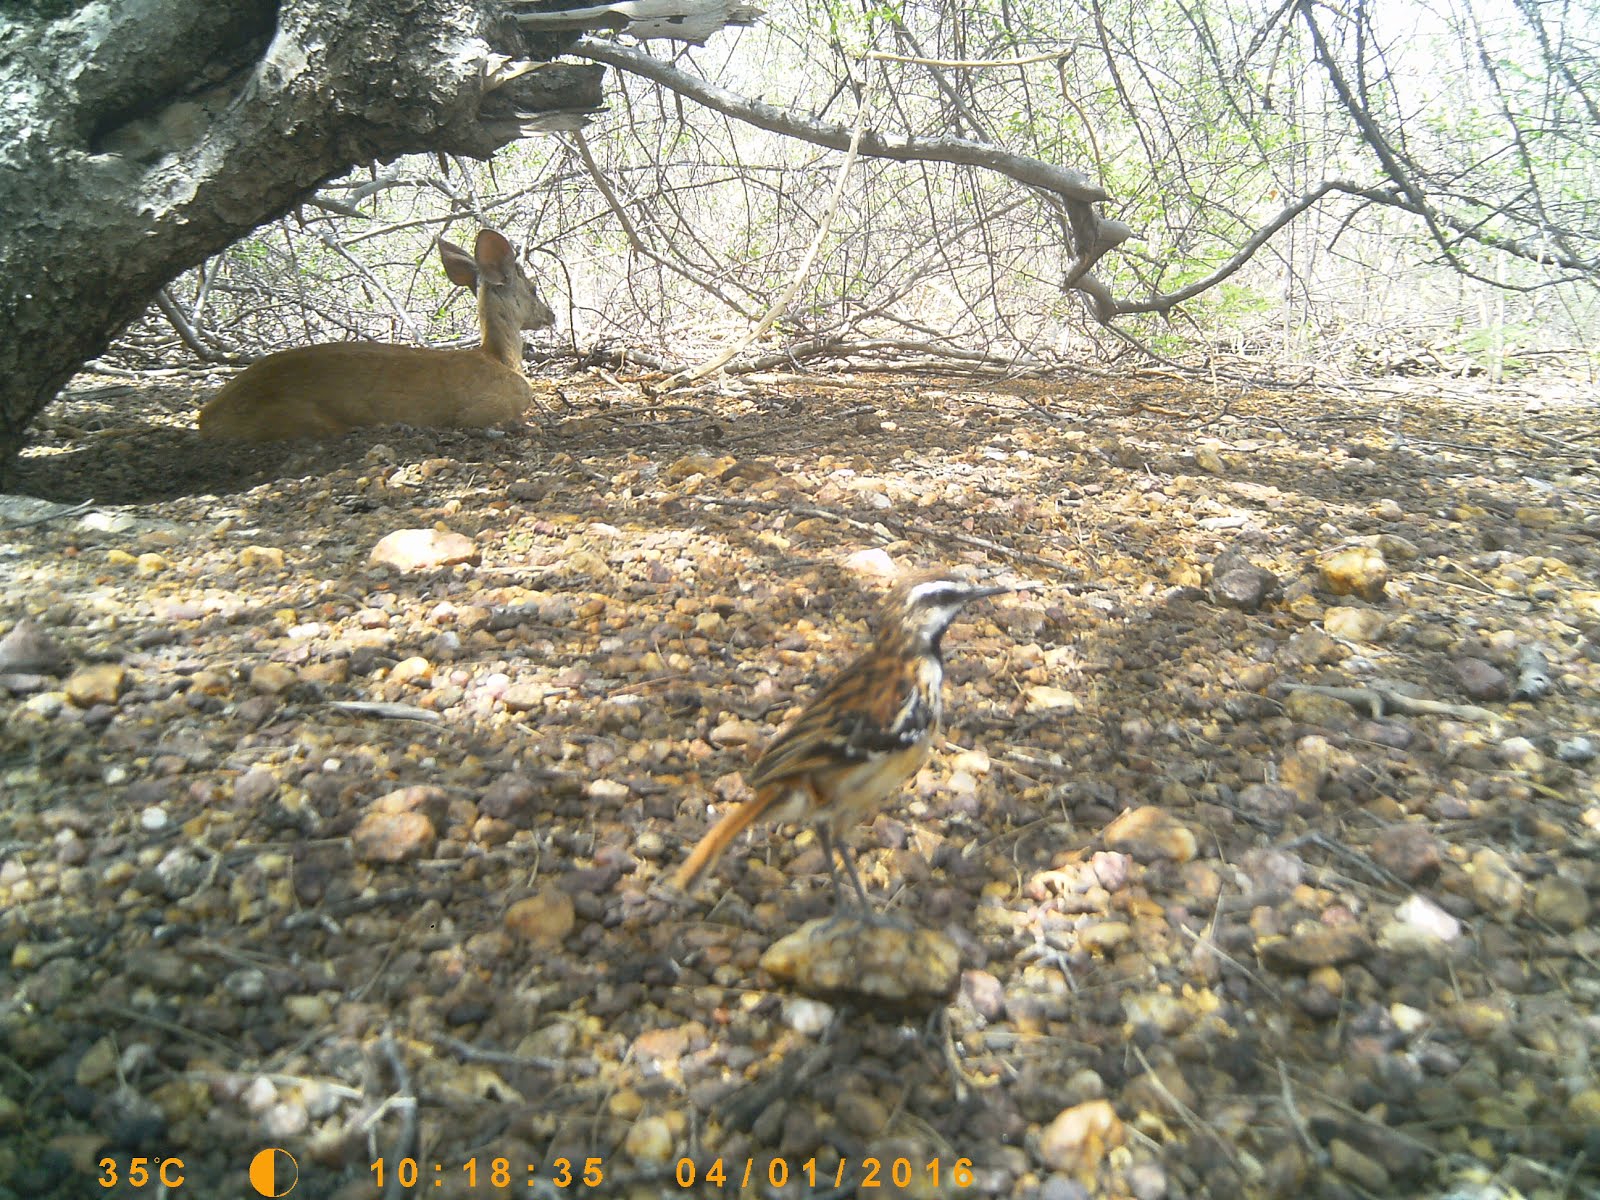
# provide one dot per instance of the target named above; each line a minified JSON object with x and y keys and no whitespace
{"x":326,"y":390}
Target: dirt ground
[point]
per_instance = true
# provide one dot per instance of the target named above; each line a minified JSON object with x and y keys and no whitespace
{"x":303,"y":850}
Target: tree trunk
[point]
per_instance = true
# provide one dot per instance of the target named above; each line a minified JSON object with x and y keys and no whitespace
{"x":136,"y":140}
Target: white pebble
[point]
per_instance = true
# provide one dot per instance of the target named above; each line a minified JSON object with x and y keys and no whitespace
{"x":1407,"y":1020}
{"x":1421,"y":913}
{"x":261,"y":1095}
{"x":153,"y":818}
{"x":807,"y":1017}
{"x":285,"y":1120}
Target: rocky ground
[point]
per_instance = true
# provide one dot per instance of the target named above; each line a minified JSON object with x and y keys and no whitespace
{"x":1265,"y":828}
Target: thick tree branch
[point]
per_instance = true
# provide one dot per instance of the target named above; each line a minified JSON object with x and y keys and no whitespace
{"x":1064,"y":182}
{"x":1093,"y":235}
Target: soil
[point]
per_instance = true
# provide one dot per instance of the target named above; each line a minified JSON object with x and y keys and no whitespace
{"x":308,"y":851}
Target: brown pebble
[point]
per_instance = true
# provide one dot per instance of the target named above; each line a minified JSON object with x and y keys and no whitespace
{"x":1320,"y":947}
{"x":100,"y":683}
{"x":545,"y":917}
{"x":387,"y":837}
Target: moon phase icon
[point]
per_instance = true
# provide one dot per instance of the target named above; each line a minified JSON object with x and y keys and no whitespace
{"x":274,"y":1172}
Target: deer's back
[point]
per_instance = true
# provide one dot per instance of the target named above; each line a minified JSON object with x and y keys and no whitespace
{"x":327,"y":390}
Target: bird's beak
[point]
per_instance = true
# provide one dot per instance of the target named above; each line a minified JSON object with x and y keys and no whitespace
{"x":978,"y":593}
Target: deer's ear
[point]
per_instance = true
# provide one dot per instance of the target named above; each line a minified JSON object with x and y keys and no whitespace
{"x":458,"y":265}
{"x":497,"y":261}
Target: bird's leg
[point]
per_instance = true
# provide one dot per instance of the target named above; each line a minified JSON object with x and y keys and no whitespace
{"x":860,"y":908}
{"x":839,"y":903}
{"x":848,"y":859}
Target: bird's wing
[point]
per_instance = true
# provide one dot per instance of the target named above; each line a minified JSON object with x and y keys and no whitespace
{"x":879,"y":705}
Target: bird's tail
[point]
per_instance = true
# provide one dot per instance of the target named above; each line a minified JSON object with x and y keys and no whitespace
{"x":717,"y":839}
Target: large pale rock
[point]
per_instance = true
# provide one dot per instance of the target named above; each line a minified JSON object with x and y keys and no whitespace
{"x":1080,"y":1137}
{"x":1149,"y":834}
{"x":1355,"y":571}
{"x":844,"y":957}
{"x":424,"y":549}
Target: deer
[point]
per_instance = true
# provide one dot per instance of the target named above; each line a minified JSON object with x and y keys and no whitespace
{"x":329,"y":389}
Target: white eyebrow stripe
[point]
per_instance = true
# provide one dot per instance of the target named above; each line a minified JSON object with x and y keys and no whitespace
{"x":931,"y":587}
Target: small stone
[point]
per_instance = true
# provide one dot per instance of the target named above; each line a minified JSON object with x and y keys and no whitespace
{"x":625,"y":1104}
{"x":1481,"y":680}
{"x":984,"y":993}
{"x":286,"y":1120}
{"x":151,"y":563}
{"x":413,"y":669}
{"x":98,"y":1063}
{"x":1353,"y":1164}
{"x":1561,"y":902}
{"x":392,"y":837}
{"x":247,"y":983}
{"x":1148,"y":1181}
{"x":1151,"y":834}
{"x":508,"y":796}
{"x":1584,"y":1108}
{"x":1409,"y":1021}
{"x":1313,"y":708}
{"x":1079,"y":1138}
{"x":1111,"y":869}
{"x":1408,"y":852}
{"x":1314,"y":648}
{"x":1271,"y":803}
{"x":1318,"y":947}
{"x":29,"y":650}
{"x":260,"y":559}
{"x":546,"y":917}
{"x":1270,"y":870}
{"x":254,"y":787}
{"x":1355,"y":624}
{"x":259,"y":1095}
{"x":1238,"y":583}
{"x":1161,"y":1011}
{"x":862,"y":1113}
{"x":308,"y":1010}
{"x":1059,"y":1187}
{"x":649,"y":1141}
{"x":1102,"y":937}
{"x":1425,"y":916}
{"x":181,"y":871}
{"x":1358,"y":570}
{"x":806,"y":1016}
{"x":1478,"y":1020}
{"x":1041,"y":697}
{"x":734,"y":732}
{"x":424,"y":549}
{"x":1575,"y":750}
{"x":524,"y":697}
{"x":1496,"y":888}
{"x":100,"y":683}
{"x":153,"y":819}
{"x":698,"y":464}
{"x":610,"y":791}
{"x":1520,"y":754}
{"x":273,"y":679}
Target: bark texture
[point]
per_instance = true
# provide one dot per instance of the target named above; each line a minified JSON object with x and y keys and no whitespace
{"x":137,"y":139}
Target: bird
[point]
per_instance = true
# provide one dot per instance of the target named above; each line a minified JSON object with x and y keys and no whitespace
{"x":863,"y":735}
